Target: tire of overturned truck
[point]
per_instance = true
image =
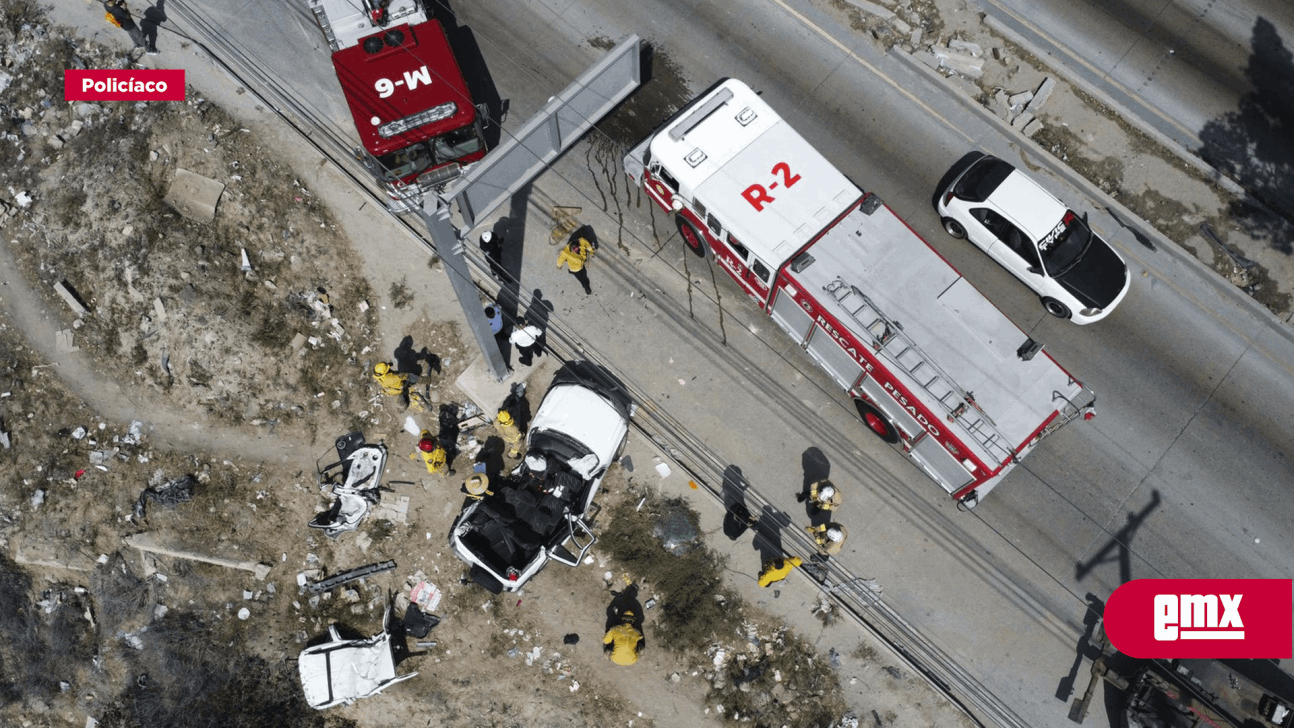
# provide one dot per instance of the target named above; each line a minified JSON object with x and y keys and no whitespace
{"x":692,"y":237}
{"x":877,"y":422}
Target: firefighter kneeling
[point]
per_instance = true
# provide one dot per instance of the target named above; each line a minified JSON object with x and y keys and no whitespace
{"x":623,"y":643}
{"x":829,"y":538}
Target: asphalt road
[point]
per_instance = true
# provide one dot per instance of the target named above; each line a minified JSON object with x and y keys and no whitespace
{"x":1183,"y":473}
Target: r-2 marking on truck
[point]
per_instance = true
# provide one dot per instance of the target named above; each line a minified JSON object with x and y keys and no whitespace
{"x":757,"y":195}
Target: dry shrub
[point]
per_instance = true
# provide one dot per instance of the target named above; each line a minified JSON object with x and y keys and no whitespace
{"x":695,"y":606}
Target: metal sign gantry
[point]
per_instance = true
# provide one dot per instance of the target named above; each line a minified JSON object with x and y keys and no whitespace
{"x":551,"y":131}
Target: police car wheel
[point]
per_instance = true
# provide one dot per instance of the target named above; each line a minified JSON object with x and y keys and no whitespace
{"x":953,"y":228}
{"x":692,"y":237}
{"x":877,"y":422}
{"x":1056,"y":308}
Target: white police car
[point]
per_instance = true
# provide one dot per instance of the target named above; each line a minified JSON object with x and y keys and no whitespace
{"x":1034,"y":236}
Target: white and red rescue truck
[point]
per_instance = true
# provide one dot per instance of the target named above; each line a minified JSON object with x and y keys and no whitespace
{"x":416,"y":121}
{"x":928,"y":361}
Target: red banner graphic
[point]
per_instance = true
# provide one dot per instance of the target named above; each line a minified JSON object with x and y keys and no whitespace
{"x":1202,"y":618}
{"x":139,"y":84}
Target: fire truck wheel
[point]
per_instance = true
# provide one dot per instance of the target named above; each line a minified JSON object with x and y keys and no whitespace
{"x":692,"y":238}
{"x":953,"y":228}
{"x":877,"y":422}
{"x":1055,"y":308}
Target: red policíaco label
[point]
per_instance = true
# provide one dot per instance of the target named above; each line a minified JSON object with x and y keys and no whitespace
{"x":1202,"y":618}
{"x":139,"y":84}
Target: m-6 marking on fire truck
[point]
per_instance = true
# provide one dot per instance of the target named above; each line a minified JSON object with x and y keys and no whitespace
{"x":757,"y":195}
{"x":385,"y":86}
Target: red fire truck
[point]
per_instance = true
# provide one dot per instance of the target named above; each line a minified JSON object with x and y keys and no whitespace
{"x":416,"y":121}
{"x":928,"y":361}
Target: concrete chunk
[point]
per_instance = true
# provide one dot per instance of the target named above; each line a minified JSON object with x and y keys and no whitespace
{"x":69,"y":296}
{"x":1041,"y":95}
{"x":1032,"y":128}
{"x":159,"y":311}
{"x":1021,"y":98}
{"x":63,"y":341}
{"x":927,"y":58}
{"x":194,"y":196}
{"x":959,"y":62}
{"x":971,"y":48}
{"x":872,"y":9}
{"x":1021,"y":121}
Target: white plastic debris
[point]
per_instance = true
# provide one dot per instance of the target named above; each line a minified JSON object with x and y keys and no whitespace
{"x":575,"y":685}
{"x":133,"y":435}
{"x":78,"y":433}
{"x":411,"y":426}
{"x":247,"y":264}
{"x":244,"y":613}
{"x":663,"y":469}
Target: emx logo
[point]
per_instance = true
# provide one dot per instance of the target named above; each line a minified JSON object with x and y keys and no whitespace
{"x":1202,"y":618}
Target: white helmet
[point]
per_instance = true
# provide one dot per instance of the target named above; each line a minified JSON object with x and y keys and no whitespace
{"x":834,"y":534}
{"x":827,"y":491}
{"x":536,"y":463}
{"x":487,"y":236}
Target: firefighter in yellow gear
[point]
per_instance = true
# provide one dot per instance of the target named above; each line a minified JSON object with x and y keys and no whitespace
{"x":825,"y":495}
{"x":392,"y":382}
{"x":477,"y":486}
{"x":574,"y":257}
{"x":778,"y":569}
{"x":433,"y":455}
{"x":828,"y":537}
{"x":624,"y":642}
{"x":508,"y":430}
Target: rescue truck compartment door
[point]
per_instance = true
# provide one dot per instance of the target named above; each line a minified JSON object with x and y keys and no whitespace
{"x":832,"y":357}
{"x":940,"y":465}
{"x":790,"y":316}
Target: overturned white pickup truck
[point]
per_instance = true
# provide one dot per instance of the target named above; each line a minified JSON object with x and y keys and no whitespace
{"x":341,"y":671}
{"x":538,"y":512}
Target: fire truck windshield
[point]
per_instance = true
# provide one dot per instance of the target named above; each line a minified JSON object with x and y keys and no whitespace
{"x":420,"y":157}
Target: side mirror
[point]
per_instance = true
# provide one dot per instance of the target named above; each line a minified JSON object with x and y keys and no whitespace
{"x":1035,"y":270}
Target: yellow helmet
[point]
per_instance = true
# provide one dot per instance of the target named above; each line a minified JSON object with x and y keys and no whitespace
{"x":381,"y":368}
{"x":505,"y":419}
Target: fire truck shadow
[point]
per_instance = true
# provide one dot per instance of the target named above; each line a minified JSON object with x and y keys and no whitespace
{"x":1117,"y":548}
{"x":477,"y":75}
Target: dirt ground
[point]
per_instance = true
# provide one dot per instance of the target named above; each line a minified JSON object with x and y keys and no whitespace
{"x":186,"y":363}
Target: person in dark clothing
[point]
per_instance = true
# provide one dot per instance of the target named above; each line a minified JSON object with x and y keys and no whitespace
{"x":120,"y":16}
{"x":153,"y":17}
{"x":492,"y":246}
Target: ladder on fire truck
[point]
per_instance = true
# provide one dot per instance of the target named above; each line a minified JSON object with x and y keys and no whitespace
{"x":894,"y":345}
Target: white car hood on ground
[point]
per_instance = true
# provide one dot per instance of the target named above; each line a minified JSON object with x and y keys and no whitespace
{"x":584,"y":416}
